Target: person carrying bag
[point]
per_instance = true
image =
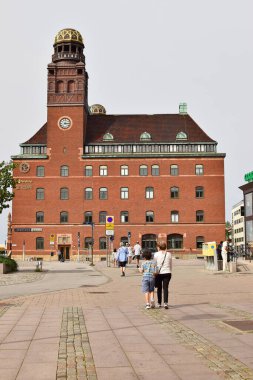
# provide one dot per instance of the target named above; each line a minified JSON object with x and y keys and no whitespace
{"x":162,"y":279}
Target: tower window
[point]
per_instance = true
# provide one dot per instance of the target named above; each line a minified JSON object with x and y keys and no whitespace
{"x":71,"y":86}
{"x":66,"y":48}
{"x":51,"y":72}
{"x":79,"y":71}
{"x":60,"y":86}
{"x":59,"y":49}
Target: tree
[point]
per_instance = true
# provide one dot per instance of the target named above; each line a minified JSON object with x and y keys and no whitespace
{"x":7,"y":183}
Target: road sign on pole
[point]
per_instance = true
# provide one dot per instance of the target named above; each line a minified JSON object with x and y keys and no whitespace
{"x":109,"y":223}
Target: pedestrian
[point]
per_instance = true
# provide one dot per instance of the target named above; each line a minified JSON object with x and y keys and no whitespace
{"x":137,"y":253}
{"x":114,"y":257}
{"x":164,"y":263}
{"x":122,"y":254}
{"x":218,"y":250}
{"x":148,"y":269}
{"x":130,"y":253}
{"x":59,"y":255}
{"x":224,"y":254}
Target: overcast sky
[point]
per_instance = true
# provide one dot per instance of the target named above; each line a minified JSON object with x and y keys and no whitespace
{"x":142,"y":56}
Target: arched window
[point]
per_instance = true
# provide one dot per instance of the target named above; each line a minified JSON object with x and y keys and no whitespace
{"x":39,"y":217}
{"x":143,"y":170}
{"x":88,"y":171}
{"x":124,"y":170}
{"x":174,"y":215}
{"x":64,"y":171}
{"x":103,"y":170}
{"x":40,"y":193}
{"x":199,"y":241}
{"x":88,"y":217}
{"x":39,"y":243}
{"x":59,"y":86}
{"x":199,"y":192}
{"x":71,"y":86}
{"x":199,"y":169}
{"x":174,"y":170}
{"x":199,"y":216}
{"x":64,"y":193}
{"x":64,"y":217}
{"x":155,"y":170}
{"x":149,"y":216}
{"x":174,"y":192}
{"x":124,"y":193}
{"x":149,"y":192}
{"x":124,"y":239}
{"x":145,"y":136}
{"x":108,"y":137}
{"x":102,"y":242}
{"x":88,"y":194}
{"x":181,"y":136}
{"x":103,"y":193}
{"x":124,"y":216}
{"x":175,"y":241}
{"x":88,"y":242}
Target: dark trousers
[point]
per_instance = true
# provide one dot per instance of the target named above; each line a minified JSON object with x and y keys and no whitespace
{"x":162,"y":282}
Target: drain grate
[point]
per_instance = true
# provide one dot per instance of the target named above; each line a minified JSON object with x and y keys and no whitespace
{"x":245,"y":325}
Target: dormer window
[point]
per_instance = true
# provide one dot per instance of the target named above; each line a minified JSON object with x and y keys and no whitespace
{"x":182,"y":136}
{"x":108,"y":137}
{"x":145,"y":136}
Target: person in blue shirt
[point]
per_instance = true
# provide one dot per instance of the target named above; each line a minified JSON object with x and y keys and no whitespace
{"x":121,"y":258}
{"x":148,"y":269}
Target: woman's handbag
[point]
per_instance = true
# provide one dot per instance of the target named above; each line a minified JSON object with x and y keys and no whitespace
{"x":156,"y":274}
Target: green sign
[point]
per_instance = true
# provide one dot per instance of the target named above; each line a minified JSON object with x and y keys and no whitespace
{"x":248,"y":177}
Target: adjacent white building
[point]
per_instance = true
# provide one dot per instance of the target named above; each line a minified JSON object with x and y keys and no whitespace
{"x":238,"y":232}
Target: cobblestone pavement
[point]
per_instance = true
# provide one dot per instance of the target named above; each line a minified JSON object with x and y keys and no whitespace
{"x":102,"y":331}
{"x":20,"y":277}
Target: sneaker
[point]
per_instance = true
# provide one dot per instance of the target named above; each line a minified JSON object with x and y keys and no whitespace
{"x":152,"y":304}
{"x":147,"y":306}
{"x":166,"y":306}
{"x":137,"y":266}
{"x":158,"y":305}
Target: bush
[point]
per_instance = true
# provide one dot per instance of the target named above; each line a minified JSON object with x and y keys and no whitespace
{"x":10,"y":262}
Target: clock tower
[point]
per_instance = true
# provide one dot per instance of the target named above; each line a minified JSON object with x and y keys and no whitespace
{"x":67,"y":96}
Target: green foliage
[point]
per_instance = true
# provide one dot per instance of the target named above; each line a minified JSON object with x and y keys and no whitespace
{"x":7,"y":183}
{"x":10,"y":262}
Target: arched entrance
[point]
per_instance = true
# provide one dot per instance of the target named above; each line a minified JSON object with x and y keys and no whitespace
{"x":149,"y":241}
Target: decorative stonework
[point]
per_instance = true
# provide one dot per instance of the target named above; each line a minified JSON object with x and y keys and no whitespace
{"x":97,"y":109}
{"x":24,"y":167}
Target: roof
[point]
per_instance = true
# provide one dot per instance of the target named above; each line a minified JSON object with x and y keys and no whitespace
{"x":128,"y":129}
{"x":40,"y":137}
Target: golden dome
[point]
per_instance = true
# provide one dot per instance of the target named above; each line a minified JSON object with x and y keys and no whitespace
{"x":68,"y":35}
{"x":97,"y":109}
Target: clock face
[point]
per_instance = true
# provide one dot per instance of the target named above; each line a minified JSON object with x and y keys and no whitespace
{"x":65,"y":122}
{"x":24,"y":167}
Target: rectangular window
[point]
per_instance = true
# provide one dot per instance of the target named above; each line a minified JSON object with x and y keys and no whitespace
{"x":143,"y":170}
{"x":149,"y":192}
{"x":39,"y":243}
{"x":199,"y":170}
{"x":173,"y":170}
{"x":40,"y":194}
{"x":124,"y":170}
{"x":249,"y":204}
{"x":124,"y":216}
{"x":88,"y":194}
{"x":103,"y":194}
{"x":40,"y":171}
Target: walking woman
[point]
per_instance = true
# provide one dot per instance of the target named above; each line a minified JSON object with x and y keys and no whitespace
{"x":164,"y":263}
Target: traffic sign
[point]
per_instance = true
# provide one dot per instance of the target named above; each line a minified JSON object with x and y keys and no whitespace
{"x":109,"y":223}
{"x":109,"y":232}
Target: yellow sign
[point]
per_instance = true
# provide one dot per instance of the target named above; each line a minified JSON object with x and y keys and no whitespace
{"x":52,"y":239}
{"x":209,"y":249}
{"x":109,"y":223}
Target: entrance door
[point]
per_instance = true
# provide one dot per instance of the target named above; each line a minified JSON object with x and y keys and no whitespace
{"x":65,"y":250}
{"x":149,"y":241}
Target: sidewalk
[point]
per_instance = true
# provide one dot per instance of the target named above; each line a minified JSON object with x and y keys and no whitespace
{"x":102,"y":331}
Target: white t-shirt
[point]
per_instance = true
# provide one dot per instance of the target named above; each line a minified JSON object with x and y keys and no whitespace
{"x":224,"y":247}
{"x":167,"y":265}
{"x":137,"y":249}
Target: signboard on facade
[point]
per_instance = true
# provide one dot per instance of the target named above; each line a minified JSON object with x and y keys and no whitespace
{"x":52,"y":239}
{"x":248,"y":177}
{"x":27,"y":229}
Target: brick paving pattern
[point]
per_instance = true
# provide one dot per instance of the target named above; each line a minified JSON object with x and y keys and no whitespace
{"x":20,"y":277}
{"x":75,"y":359}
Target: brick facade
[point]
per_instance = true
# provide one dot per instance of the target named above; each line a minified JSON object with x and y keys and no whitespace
{"x":95,"y":140}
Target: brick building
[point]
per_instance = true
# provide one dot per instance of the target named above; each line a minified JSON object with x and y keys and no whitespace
{"x":157,"y":175}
